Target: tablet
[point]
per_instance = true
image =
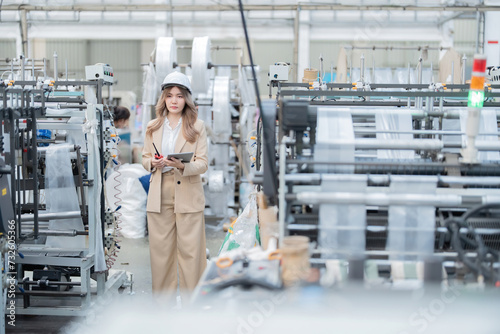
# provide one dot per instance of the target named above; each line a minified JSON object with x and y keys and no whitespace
{"x":185,"y":157}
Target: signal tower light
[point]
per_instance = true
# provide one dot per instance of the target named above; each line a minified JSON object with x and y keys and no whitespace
{"x":476,"y":91}
{"x":475,"y":104}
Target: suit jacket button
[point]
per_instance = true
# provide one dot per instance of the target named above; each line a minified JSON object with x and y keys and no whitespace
{"x":178,"y":182}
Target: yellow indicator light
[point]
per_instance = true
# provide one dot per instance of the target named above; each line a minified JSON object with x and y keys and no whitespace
{"x":477,"y":83}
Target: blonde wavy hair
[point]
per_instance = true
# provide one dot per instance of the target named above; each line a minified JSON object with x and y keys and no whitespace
{"x":189,"y":115}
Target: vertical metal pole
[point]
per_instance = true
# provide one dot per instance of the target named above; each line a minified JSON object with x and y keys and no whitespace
{"x":296,"y":45}
{"x":420,"y":70}
{"x":55,"y":66}
{"x":170,"y":27}
{"x":441,"y":103}
{"x":92,"y":175}
{"x":22,"y":67}
{"x":420,"y":99}
{"x":478,"y":30}
{"x":452,"y":72}
{"x":320,"y":68}
{"x":409,"y":82}
{"x":362,"y":70}
{"x":35,"y":167}
{"x":464,"y":63}
{"x":24,"y":31}
{"x":483,"y":28}
{"x":282,"y":189}
{"x":33,"y":68}
{"x":350,"y":65}
{"x":432,"y":74}
{"x":44,"y":68}
{"x":99,"y":91}
{"x":331,"y":72}
{"x":373,"y":70}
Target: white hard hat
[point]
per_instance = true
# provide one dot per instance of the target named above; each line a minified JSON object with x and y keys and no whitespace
{"x":176,"y":79}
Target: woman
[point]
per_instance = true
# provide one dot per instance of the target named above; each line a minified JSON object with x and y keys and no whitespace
{"x":121,"y":116}
{"x":176,"y":200}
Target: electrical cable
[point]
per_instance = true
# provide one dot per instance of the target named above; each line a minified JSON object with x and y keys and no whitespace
{"x":256,"y":86}
{"x":477,"y":209}
{"x":454,"y":224}
{"x":112,"y":251}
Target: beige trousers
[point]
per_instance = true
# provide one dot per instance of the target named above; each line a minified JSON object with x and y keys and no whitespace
{"x":176,"y":240}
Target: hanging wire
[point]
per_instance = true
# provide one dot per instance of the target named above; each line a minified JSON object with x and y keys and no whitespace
{"x":256,"y":86}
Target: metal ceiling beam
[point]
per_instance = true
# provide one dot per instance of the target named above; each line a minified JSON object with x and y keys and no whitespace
{"x":221,"y":8}
{"x":453,"y":16}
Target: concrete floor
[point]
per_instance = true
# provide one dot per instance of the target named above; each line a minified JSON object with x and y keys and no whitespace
{"x":132,"y":258}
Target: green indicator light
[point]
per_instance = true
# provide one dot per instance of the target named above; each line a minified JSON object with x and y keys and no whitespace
{"x":476,"y":98}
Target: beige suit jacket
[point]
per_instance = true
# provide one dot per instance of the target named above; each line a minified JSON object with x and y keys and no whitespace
{"x":189,"y":195}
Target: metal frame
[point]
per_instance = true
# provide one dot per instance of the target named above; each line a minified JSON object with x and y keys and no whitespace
{"x":302,"y":188}
{"x":38,"y":254}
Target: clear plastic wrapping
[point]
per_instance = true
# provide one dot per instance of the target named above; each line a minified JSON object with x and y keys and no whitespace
{"x":61,"y":196}
{"x":244,"y":231}
{"x":394,"y":121}
{"x":342,"y":227}
{"x":487,"y":124}
{"x":411,"y":228}
{"x":334,"y":124}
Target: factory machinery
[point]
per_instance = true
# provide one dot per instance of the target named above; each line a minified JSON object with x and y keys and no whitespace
{"x":228,"y":108}
{"x":391,"y":174}
{"x":57,"y":142}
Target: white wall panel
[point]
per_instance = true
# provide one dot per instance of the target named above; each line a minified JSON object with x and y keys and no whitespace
{"x":267,"y":53}
{"x":74,"y":51}
{"x":7,"y":48}
{"x":465,"y":38}
{"x":124,"y":57}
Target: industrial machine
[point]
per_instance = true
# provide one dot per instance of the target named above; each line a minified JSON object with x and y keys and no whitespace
{"x":57,"y":148}
{"x":388,"y":175}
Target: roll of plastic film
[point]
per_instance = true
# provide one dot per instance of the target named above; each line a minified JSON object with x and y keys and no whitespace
{"x":216,"y":181}
{"x":221,"y":110}
{"x":61,"y":196}
{"x":166,"y":56}
{"x":200,"y":57}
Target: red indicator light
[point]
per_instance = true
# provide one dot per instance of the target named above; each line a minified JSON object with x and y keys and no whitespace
{"x":479,"y":64}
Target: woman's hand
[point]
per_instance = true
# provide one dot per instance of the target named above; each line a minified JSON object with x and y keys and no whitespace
{"x":173,"y":162}
{"x":159,"y":163}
